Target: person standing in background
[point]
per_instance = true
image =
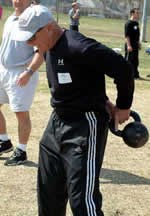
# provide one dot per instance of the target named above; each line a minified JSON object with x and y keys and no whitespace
{"x":132,"y":41}
{"x":74,"y":15}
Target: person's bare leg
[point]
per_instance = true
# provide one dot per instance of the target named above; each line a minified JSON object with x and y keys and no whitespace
{"x":24,"y":126}
{"x":3,"y":129}
{"x":5,"y":144}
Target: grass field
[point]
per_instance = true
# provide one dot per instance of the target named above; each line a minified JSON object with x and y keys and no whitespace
{"x":125,"y":177}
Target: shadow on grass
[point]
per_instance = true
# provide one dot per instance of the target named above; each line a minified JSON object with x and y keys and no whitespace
{"x":27,"y":164}
{"x":31,"y":164}
{"x":121,"y":177}
{"x":142,"y":79}
{"x":3,"y":158}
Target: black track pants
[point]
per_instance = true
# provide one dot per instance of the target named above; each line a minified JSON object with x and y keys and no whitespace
{"x":70,"y":158}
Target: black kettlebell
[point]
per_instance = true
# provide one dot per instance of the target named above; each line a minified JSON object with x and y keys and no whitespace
{"x":134,"y":134}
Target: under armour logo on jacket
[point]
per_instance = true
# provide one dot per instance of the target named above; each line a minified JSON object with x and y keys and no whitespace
{"x":60,"y":62}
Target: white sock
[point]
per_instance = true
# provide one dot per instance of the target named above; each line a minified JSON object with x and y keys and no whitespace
{"x":23,"y":147}
{"x":4,"y":137}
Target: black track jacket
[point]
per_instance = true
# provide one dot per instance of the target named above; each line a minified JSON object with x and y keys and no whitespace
{"x":76,"y":69}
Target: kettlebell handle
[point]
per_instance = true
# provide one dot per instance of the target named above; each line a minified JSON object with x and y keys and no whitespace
{"x":133,"y":114}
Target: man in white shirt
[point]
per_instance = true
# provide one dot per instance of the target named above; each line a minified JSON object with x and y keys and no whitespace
{"x":18,"y":61}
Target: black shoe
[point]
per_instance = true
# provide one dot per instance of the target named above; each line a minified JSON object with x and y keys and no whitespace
{"x":5,"y":146}
{"x":17,"y":158}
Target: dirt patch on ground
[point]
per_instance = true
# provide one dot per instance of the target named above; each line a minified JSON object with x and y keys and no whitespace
{"x":124,"y":180}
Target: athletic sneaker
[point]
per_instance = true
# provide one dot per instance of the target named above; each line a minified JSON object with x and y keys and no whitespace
{"x":5,"y":146}
{"x":17,"y":158}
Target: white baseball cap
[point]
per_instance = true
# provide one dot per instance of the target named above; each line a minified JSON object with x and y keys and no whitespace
{"x":31,"y":20}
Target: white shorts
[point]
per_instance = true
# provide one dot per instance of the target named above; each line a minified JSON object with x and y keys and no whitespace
{"x":19,"y":98}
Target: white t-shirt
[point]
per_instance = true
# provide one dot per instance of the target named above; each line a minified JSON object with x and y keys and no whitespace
{"x":14,"y":53}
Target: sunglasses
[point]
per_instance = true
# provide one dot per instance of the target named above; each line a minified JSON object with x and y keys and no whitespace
{"x":34,"y":36}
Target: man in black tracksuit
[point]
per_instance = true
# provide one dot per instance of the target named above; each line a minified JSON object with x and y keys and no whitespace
{"x":132,"y":45}
{"x":73,"y":144}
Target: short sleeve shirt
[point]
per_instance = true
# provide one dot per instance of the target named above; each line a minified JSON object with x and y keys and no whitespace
{"x":14,"y":53}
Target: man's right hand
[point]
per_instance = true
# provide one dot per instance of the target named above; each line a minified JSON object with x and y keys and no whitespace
{"x":23,"y":79}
